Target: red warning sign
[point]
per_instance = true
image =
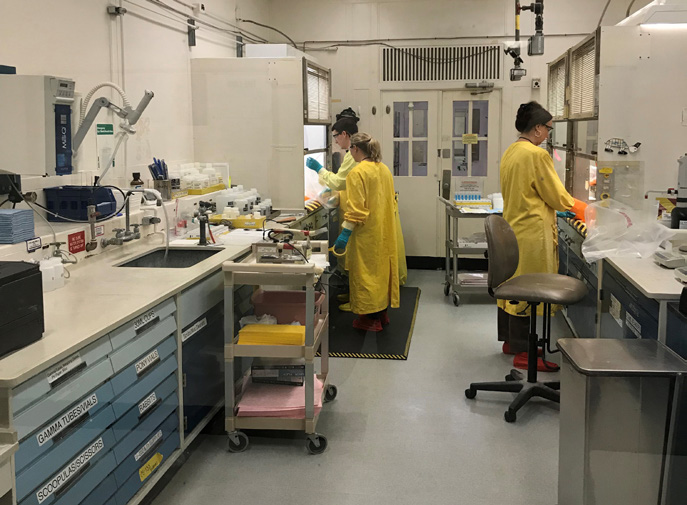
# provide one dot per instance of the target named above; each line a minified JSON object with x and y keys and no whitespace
{"x":77,"y":242}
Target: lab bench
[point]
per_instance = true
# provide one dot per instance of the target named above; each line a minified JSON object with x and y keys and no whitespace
{"x":102,"y":407}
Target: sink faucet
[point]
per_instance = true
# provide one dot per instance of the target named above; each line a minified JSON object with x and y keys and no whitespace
{"x":126,"y":234}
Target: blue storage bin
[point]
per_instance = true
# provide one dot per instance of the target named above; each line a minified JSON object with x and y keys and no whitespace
{"x":142,"y":388}
{"x":74,"y":481}
{"x":105,"y":490}
{"x":35,"y":473}
{"x":145,"y":406}
{"x":146,"y":447}
{"x":72,"y":202}
{"x":81,"y":416}
{"x":144,"y":365}
{"x":146,"y":469}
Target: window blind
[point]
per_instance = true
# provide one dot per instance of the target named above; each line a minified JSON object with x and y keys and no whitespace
{"x":317,"y":94}
{"x":583,"y":80}
{"x":556,"y":89}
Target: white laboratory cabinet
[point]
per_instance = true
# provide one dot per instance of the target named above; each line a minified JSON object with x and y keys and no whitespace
{"x":263,"y":116}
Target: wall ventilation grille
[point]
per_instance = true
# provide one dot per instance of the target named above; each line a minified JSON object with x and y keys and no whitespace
{"x":452,"y":63}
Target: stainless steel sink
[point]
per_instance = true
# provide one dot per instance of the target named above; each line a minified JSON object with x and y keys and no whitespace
{"x":176,"y":257}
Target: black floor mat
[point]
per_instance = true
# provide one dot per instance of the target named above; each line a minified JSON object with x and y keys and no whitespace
{"x":391,"y":343}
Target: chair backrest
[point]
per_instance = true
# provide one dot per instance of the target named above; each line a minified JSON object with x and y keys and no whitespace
{"x":502,"y":251}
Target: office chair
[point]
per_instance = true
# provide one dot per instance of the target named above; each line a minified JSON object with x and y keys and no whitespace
{"x":535,"y":289}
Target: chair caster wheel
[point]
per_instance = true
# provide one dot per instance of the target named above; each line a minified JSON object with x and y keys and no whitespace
{"x":509,"y":378}
{"x":510,"y":416}
{"x":470,"y":393}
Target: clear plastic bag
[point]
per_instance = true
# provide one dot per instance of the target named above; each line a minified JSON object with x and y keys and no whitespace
{"x":616,"y":230}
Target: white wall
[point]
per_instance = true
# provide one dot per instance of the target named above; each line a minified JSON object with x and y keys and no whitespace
{"x":355,"y":69}
{"x":145,"y":49}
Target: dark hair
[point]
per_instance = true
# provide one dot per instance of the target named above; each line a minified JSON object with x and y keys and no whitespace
{"x":348,"y":112}
{"x":530,"y":115}
{"x":346,"y":124}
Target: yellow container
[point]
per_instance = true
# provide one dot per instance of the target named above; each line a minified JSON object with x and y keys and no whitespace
{"x":272,"y":334}
{"x":254,"y":223}
{"x":205,"y":191}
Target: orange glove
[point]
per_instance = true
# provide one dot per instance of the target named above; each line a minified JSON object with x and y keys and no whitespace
{"x":578,"y":208}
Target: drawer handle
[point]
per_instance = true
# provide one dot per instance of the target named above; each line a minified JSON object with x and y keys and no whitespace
{"x":147,"y":325}
{"x":76,"y":424}
{"x":77,"y":476}
{"x":68,"y":375}
{"x":150,"y":409}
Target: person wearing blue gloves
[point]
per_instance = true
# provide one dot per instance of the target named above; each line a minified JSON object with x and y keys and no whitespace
{"x":369,"y":236}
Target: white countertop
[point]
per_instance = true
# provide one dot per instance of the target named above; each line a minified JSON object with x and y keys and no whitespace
{"x":98,"y":298}
{"x":650,"y":279}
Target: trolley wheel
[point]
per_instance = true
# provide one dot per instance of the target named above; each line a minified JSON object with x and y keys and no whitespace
{"x":316,"y":443}
{"x":331,"y":393}
{"x":470,"y":393}
{"x":510,"y":416}
{"x":456,"y":299}
{"x":237,"y":441}
{"x":447,"y":288}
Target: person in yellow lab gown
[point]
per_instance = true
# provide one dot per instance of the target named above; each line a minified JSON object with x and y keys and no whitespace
{"x":370,"y":225}
{"x":532,"y":193}
{"x":345,"y":127}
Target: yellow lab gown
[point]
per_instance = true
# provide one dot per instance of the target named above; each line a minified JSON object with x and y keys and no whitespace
{"x":372,"y":253}
{"x":337,"y":181}
{"x":532,"y":193}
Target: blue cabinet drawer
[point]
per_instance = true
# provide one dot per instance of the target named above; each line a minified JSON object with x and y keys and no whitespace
{"x":144,"y":365}
{"x":144,"y":430}
{"x":143,"y":323}
{"x":84,"y":417}
{"x":61,"y":376}
{"x":148,"y":402}
{"x":135,"y":348}
{"x":71,"y":483}
{"x":49,"y":406}
{"x":635,"y":315}
{"x":147,"y":447}
{"x":147,"y":468}
{"x":203,"y":368}
{"x":141,"y":388}
{"x":634,"y":299}
{"x":29,"y":478}
{"x":104,"y":491}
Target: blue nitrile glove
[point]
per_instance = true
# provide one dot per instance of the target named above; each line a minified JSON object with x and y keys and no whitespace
{"x":313,"y":164}
{"x":567,"y":213}
{"x":342,"y":240}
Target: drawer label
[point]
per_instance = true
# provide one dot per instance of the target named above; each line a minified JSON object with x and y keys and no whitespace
{"x":194,"y":329}
{"x":142,"y":452}
{"x":633,"y":325}
{"x":615,"y":310}
{"x":146,"y":404}
{"x":147,"y":362}
{"x":64,"y":368}
{"x":146,"y":318}
{"x":67,"y":419}
{"x":60,"y":479}
{"x":150,"y":466}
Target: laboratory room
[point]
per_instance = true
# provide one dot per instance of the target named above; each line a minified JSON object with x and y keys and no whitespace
{"x":375,"y":252}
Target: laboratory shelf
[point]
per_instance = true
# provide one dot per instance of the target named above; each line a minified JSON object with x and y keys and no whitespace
{"x":278,"y":351}
{"x":316,"y":339}
{"x":452,"y":285}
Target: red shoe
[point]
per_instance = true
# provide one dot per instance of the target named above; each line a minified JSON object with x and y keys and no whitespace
{"x":506,"y":350}
{"x":384,"y":318}
{"x":520,"y":361}
{"x":367,"y":324}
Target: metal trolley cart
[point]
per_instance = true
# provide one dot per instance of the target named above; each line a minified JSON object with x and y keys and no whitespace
{"x":248,"y":272}
{"x":452,"y":285}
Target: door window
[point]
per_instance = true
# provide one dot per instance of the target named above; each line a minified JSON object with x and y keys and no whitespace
{"x":470,"y":144}
{"x":411,"y":125}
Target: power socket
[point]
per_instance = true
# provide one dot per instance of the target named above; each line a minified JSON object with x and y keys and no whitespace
{"x":536,"y":83}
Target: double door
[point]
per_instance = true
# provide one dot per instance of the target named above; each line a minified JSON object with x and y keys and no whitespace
{"x":432,"y":141}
